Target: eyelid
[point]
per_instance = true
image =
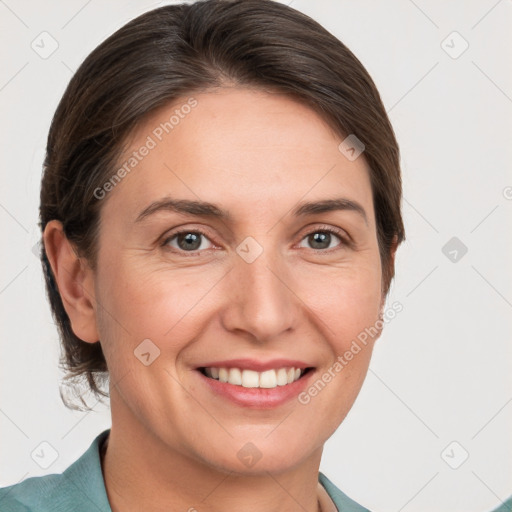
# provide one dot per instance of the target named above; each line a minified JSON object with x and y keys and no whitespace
{"x":340,"y":233}
{"x":169,"y":235}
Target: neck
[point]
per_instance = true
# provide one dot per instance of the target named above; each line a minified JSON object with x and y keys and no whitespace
{"x":143,"y":473}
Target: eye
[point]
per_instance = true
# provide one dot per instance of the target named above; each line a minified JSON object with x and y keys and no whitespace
{"x":187,"y":241}
{"x":191,"y":241}
{"x":321,"y":238}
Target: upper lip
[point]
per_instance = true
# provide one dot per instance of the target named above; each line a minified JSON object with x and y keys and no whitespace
{"x":258,"y":366}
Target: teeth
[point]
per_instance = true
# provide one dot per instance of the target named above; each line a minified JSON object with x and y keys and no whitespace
{"x":282,"y":378}
{"x":251,"y":379}
{"x":235,"y":376}
{"x":268,"y":379}
{"x":223,"y":374}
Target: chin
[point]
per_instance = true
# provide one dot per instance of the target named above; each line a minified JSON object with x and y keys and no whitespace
{"x":260,"y":456}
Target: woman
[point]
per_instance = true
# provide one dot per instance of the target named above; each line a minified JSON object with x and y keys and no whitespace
{"x":220,"y":210}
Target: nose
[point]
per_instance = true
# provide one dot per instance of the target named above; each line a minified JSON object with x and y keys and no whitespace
{"x":261,"y":299}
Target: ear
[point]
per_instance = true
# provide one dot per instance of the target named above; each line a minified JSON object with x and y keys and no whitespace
{"x":394,"y":246}
{"x":392,"y":250}
{"x":75,"y":282}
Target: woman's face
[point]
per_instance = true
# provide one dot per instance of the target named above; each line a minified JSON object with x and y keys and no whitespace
{"x":264,"y":286}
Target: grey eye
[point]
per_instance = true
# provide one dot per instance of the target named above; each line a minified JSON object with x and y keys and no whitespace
{"x":187,"y":241}
{"x":321,"y":239}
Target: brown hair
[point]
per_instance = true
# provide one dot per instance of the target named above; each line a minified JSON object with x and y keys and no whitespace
{"x":170,"y":52}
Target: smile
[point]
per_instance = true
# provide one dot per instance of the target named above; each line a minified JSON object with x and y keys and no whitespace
{"x":267,"y":379}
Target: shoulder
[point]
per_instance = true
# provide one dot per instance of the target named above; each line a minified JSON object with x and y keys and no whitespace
{"x":506,"y":506}
{"x":79,"y":488}
{"x":35,"y":493}
{"x":346,"y":504}
{"x":340,"y":499}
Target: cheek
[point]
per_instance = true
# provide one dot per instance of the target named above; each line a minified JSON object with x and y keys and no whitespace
{"x":349,"y":309}
{"x":347,"y":301}
{"x":148,"y":301}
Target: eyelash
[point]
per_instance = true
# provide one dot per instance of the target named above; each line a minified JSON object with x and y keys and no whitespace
{"x":345,"y":242}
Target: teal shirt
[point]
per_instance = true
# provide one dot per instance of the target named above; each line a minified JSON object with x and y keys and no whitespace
{"x":80,"y":488}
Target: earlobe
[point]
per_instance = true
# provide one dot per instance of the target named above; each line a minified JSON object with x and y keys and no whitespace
{"x":394,"y":246}
{"x":74,"y":279}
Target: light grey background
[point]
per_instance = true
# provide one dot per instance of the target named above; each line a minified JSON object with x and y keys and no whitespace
{"x":441,"y":371}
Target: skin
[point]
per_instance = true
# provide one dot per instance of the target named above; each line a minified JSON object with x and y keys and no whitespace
{"x":173,"y":443}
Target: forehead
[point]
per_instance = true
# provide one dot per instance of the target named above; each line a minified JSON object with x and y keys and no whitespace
{"x":243,"y":148}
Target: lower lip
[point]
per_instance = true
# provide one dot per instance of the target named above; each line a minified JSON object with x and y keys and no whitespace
{"x":258,"y":398}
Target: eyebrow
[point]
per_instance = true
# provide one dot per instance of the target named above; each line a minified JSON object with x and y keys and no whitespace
{"x":206,"y":209}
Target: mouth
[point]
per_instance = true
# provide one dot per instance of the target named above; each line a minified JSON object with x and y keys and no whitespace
{"x":246,"y":378}
{"x":255,"y":385}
